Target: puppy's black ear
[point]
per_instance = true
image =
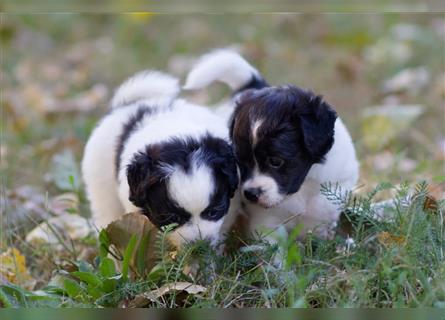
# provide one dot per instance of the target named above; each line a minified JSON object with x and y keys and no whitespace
{"x":227,"y":166}
{"x":138,"y":177}
{"x":223,"y":161}
{"x":317,"y":123}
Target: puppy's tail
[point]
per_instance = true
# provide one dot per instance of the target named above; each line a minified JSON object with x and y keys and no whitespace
{"x":148,"y":84}
{"x":227,"y":66}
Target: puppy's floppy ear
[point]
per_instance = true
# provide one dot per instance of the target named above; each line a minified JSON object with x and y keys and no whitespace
{"x":138,"y":177}
{"x":227,"y":166}
{"x":224,"y":162}
{"x":317,"y":122}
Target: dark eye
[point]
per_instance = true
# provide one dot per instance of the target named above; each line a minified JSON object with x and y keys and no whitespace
{"x":213,"y":214}
{"x":275,"y":162}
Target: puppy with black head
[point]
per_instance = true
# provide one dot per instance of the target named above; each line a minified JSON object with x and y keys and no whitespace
{"x":288,"y":142}
{"x":164,"y":157}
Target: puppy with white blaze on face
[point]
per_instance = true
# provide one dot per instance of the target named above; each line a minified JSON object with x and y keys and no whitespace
{"x":288,"y":142}
{"x":164,"y":157}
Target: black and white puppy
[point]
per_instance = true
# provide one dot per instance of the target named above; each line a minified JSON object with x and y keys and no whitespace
{"x":288,"y":141}
{"x":162,"y":156}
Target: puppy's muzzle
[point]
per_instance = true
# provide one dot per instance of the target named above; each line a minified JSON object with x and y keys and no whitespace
{"x":252,"y":194}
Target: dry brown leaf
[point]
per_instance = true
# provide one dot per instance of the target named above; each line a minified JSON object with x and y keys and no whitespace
{"x":430,"y":204}
{"x":13,"y":269}
{"x":144,"y":298}
{"x":65,"y":226}
{"x":120,"y":231}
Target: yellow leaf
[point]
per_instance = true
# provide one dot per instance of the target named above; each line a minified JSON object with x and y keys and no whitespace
{"x":377,"y":131}
{"x":13,"y":268}
{"x":389,"y":240}
{"x":381,"y":124}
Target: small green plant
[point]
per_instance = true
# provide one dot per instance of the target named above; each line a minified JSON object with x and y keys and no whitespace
{"x":391,"y":255}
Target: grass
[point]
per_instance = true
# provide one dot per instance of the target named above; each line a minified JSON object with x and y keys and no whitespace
{"x":395,"y":263}
{"x":398,"y":262}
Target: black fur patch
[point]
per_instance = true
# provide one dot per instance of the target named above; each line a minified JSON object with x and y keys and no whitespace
{"x":148,"y":177}
{"x":128,"y":128}
{"x":255,"y":82}
{"x":297,"y":127}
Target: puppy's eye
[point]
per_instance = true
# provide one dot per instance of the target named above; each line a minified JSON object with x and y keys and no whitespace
{"x":275,"y":162}
{"x":213,"y":215}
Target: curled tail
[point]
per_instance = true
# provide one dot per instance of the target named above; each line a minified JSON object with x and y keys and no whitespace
{"x":226,"y":66}
{"x":148,"y":84}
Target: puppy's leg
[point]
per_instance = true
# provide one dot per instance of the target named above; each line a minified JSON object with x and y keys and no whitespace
{"x":99,"y":176}
{"x":105,"y":204}
{"x":321,"y":218}
{"x":269,"y":225}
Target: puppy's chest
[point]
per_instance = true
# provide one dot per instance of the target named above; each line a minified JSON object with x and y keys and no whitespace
{"x":298,"y":202}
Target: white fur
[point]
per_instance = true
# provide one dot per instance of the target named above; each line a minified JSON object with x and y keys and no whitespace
{"x":185,"y":120}
{"x":108,"y":195}
{"x":255,"y":126}
{"x":145,"y":84}
{"x":192,"y":191}
{"x":223,"y":65}
{"x":308,"y":206}
{"x":270,"y":195}
{"x":197,"y":229}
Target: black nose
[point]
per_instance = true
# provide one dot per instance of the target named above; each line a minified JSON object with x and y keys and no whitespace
{"x":252,"y":194}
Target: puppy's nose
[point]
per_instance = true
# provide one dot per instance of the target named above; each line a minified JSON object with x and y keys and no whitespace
{"x":252,"y":194}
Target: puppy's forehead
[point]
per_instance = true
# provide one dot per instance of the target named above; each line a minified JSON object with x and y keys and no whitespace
{"x":260,"y":116}
{"x":192,"y":190}
{"x":254,"y":128}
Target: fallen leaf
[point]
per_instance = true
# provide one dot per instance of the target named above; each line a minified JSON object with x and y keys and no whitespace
{"x":144,"y":298}
{"x":64,"y":203}
{"x":381,"y":124}
{"x":430,"y":204}
{"x":63,"y":227}
{"x":120,"y":231}
{"x":411,"y":80}
{"x":13,"y":269}
{"x":388,"y":239}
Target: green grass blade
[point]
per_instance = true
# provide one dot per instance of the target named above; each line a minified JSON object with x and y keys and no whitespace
{"x":127,"y":256}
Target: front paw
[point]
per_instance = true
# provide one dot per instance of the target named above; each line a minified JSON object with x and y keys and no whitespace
{"x":326,"y":231}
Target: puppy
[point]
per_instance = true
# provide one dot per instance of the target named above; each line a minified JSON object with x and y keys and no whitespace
{"x":287,"y":141}
{"x":164,"y":157}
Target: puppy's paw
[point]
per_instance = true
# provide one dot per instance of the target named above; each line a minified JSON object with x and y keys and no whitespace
{"x":326,"y":231}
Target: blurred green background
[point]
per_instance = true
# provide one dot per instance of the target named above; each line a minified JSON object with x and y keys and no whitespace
{"x":384,"y":73}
